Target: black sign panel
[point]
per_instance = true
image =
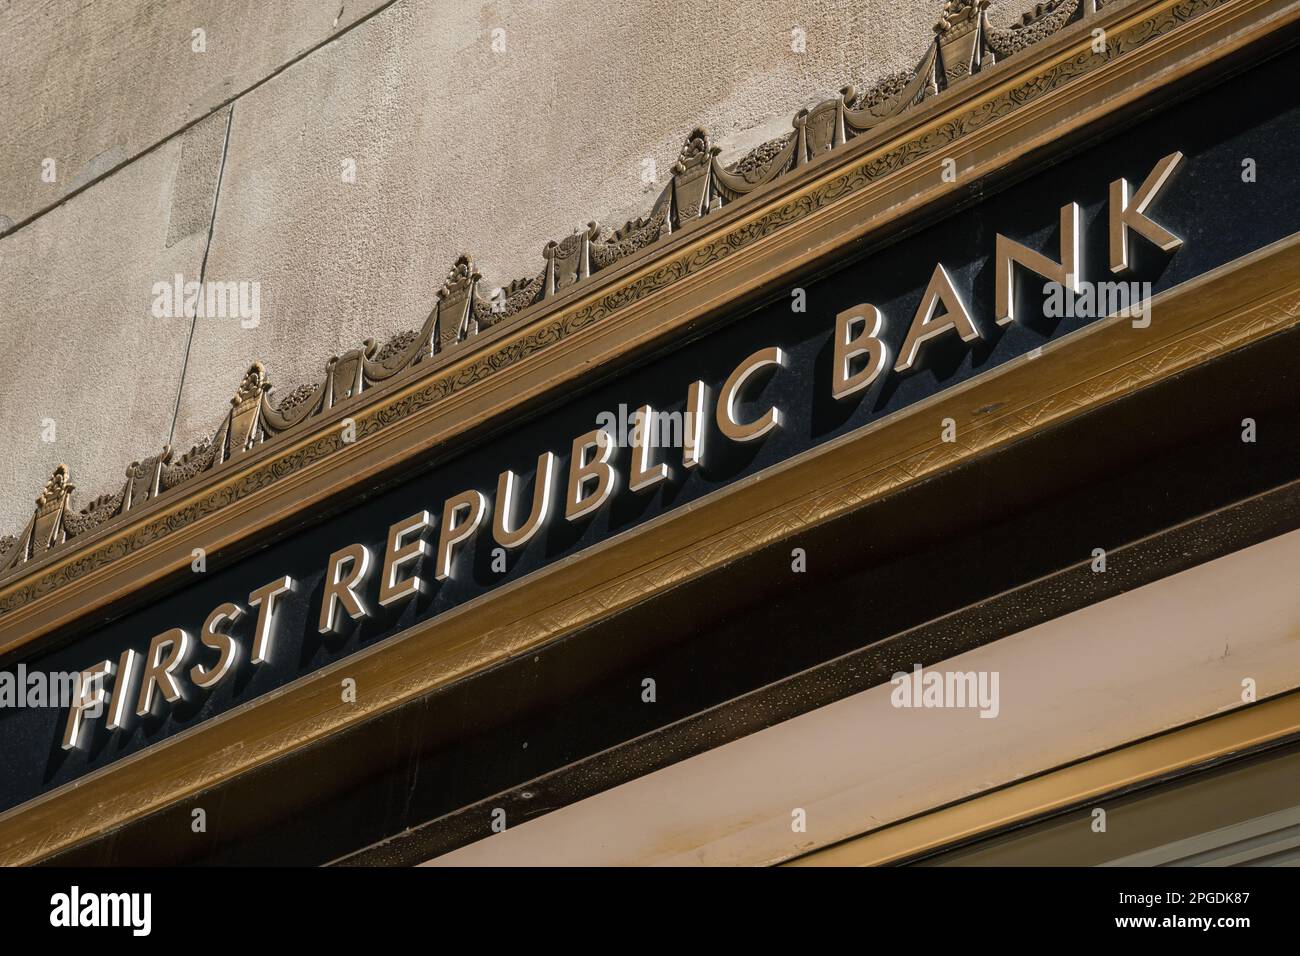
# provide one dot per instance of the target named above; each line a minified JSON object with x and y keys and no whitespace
{"x":1234,"y":191}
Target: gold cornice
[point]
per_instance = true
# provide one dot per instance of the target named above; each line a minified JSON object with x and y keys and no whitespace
{"x":962,"y":45}
{"x":1147,"y":761}
{"x":720,"y":257}
{"x":1243,"y":302}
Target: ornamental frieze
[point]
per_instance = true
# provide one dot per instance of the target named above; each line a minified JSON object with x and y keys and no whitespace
{"x":701,"y":183}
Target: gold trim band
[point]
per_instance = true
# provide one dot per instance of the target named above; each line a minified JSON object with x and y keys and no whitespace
{"x":964,"y":44}
{"x":1237,"y":304}
{"x":1143,"y":762}
{"x":873,"y":183}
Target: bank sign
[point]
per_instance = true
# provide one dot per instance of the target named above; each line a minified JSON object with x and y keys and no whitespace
{"x":1092,"y":237}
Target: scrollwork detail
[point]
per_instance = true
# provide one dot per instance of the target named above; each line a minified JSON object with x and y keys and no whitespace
{"x":700,"y":183}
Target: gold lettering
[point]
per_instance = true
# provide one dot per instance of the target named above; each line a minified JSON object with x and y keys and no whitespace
{"x":1066,"y":273}
{"x":264,"y":599}
{"x":398,"y":554}
{"x":91,"y":696}
{"x":925,"y":325}
{"x":340,"y":585}
{"x":460,"y":519}
{"x":644,"y":440}
{"x":209,"y":636}
{"x":1126,"y":213}
{"x":849,"y":346}
{"x":728,"y":423}
{"x":537,"y":515}
{"x":581,"y":472}
{"x":167,"y":652}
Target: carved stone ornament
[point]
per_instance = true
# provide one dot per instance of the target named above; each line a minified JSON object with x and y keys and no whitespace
{"x":963,"y":44}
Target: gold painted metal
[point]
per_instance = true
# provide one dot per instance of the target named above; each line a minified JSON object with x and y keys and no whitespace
{"x":264,"y":599}
{"x":398,"y":553}
{"x":645,"y":472}
{"x":210,"y":637}
{"x":1067,"y":273}
{"x":850,"y":346}
{"x":731,"y":426}
{"x":91,"y":694}
{"x":119,"y":709}
{"x":940,"y":299}
{"x":963,"y":44}
{"x":348,"y":567}
{"x":585,"y":470}
{"x":1145,"y":761}
{"x":166,"y":653}
{"x":461,"y":516}
{"x":732,"y":254}
{"x":1243,"y":302}
{"x":538,"y":514}
{"x":697,"y":394}
{"x":1130,"y":214}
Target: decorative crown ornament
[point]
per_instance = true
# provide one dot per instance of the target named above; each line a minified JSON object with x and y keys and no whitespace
{"x":700,"y":184}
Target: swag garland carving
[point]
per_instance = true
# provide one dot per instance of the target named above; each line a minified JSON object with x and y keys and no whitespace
{"x":964,"y":43}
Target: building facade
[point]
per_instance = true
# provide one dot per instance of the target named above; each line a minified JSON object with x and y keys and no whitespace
{"x":910,"y":477}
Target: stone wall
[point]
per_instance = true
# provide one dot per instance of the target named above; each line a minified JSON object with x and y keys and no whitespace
{"x":340,"y":155}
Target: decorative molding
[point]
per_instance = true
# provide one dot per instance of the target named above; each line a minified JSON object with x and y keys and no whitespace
{"x":963,"y":44}
{"x":1095,"y":780}
{"x":1067,"y":84}
{"x":1201,"y":320}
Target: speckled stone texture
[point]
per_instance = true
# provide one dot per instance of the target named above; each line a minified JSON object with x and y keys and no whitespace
{"x":459,"y":145}
{"x":88,"y":364}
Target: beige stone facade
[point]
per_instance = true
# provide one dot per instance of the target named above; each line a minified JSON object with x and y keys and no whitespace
{"x":479,"y":127}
